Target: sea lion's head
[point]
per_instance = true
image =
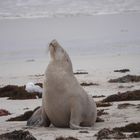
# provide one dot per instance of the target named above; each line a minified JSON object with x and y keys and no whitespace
{"x":59,"y":55}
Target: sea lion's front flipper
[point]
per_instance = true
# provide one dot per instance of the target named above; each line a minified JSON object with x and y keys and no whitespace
{"x":39,"y":118}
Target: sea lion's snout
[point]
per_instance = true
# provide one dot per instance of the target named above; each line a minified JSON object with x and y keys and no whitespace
{"x":55,"y":49}
{"x":52,"y":47}
{"x":54,"y":44}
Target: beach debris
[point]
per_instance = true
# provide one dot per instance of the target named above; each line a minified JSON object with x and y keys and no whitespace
{"x":101,"y":112}
{"x":39,"y":84}
{"x":23,"y":117}
{"x":103,"y":104}
{"x":37,"y":75}
{"x":106,"y":133}
{"x":132,"y":127}
{"x":17,"y":135}
{"x":4,"y":112}
{"x":80,"y":72}
{"x":89,"y":84}
{"x":122,"y":70}
{"x":99,"y":119}
{"x":138,"y":106}
{"x":18,"y":92}
{"x":121,"y":86}
{"x":125,"y":105}
{"x":30,"y":60}
{"x":66,"y":138}
{"x":100,"y":96}
{"x":135,"y":135}
{"x":126,"y":79}
{"x":125,"y":96}
{"x":83,"y":131}
{"x":31,"y":88}
{"x":26,"y":108}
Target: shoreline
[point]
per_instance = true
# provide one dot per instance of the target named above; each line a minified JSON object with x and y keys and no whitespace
{"x":72,"y":16}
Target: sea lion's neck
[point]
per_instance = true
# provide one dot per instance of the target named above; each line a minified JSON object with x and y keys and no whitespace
{"x":60,"y":66}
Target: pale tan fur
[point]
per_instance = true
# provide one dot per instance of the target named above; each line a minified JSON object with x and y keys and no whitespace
{"x":65,"y":103}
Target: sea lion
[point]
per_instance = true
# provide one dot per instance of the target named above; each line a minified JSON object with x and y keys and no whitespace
{"x":64,"y":103}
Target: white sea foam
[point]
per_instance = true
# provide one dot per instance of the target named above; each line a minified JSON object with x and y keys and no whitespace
{"x":64,"y":8}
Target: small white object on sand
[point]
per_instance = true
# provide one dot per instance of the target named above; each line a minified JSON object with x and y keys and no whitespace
{"x":31,"y":87}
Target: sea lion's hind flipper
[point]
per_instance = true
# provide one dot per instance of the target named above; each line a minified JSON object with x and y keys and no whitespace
{"x":39,"y":118}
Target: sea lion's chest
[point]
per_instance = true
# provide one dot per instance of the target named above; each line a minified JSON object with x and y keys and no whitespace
{"x":58,"y":89}
{"x":58,"y":97}
{"x":58,"y":82}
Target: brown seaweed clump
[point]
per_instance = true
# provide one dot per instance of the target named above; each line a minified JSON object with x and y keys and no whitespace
{"x":132,"y":127}
{"x":4,"y":112}
{"x":17,"y":92}
{"x":89,"y":84}
{"x":135,"y":135}
{"x":96,"y":96}
{"x":83,"y":131}
{"x":106,"y":133}
{"x":103,"y":104}
{"x":125,"y":105}
{"x":125,"y":96}
{"x":126,"y":79}
{"x":122,"y":70}
{"x":39,"y":84}
{"x":99,"y":119}
{"x":23,"y":117}
{"x":78,"y":73}
{"x":17,"y":135}
{"x":101,"y":112}
{"x":66,"y":138}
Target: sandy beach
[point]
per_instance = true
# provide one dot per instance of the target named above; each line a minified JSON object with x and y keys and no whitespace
{"x":96,"y":44}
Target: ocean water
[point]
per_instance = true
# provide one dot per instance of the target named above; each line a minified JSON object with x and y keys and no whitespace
{"x":64,"y":8}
